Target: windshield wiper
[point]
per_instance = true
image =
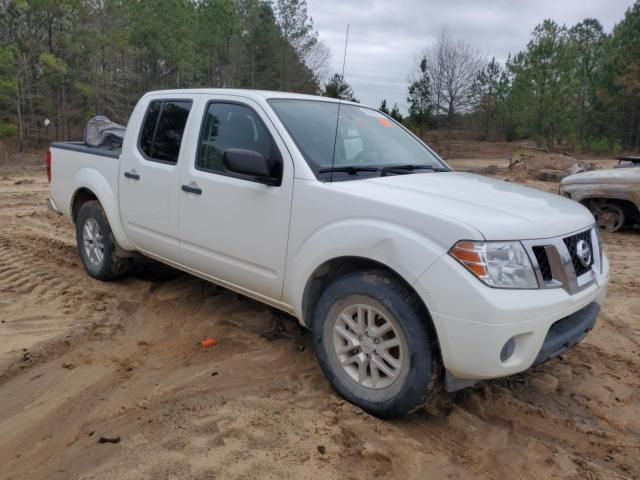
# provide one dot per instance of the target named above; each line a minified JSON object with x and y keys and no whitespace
{"x":410,"y":168}
{"x":350,"y":169}
{"x":354,"y":169}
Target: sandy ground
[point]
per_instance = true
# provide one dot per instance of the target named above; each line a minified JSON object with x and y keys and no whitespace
{"x":81,"y":360}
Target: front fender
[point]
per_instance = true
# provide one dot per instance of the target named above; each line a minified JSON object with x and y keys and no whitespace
{"x":405,"y":251}
{"x":607,"y":188}
{"x":95,"y":181}
{"x":621,"y":192}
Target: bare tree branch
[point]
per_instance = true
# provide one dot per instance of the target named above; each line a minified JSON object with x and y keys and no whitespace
{"x":451,"y":65}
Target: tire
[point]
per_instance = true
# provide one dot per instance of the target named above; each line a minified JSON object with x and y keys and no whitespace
{"x":410,"y":378}
{"x":96,"y":246}
{"x":609,"y":216}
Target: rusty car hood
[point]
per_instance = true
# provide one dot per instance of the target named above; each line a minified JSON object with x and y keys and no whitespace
{"x":610,"y":176}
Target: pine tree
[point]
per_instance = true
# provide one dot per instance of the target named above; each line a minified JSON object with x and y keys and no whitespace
{"x":299,"y":38}
{"x":485,"y":90}
{"x":337,"y":87}
{"x":420,"y":99}
{"x":395,"y":113}
{"x":621,"y":81}
{"x":66,"y":60}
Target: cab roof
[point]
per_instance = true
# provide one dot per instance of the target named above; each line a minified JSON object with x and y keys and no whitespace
{"x":248,"y":93}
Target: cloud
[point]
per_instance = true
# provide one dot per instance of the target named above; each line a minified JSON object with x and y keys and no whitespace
{"x":386,"y":36}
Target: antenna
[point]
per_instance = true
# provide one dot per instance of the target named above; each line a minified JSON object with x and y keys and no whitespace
{"x":344,"y":58}
{"x":335,"y":137}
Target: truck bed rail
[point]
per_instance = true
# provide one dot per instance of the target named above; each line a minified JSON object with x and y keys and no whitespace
{"x":84,"y":148}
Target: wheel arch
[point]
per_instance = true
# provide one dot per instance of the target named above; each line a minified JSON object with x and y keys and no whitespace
{"x":630,"y":208}
{"x":81,"y":196}
{"x":331,"y":269}
{"x":90,"y":184}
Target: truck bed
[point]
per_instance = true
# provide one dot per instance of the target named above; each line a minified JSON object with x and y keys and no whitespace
{"x":76,"y":165}
{"x":84,"y":148}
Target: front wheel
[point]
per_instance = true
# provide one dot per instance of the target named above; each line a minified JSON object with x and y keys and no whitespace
{"x":609,"y":216}
{"x":374,"y":343}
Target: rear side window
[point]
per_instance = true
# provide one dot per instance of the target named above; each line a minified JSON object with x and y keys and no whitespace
{"x":229,"y":125}
{"x":163,"y":129}
{"x":149,"y":127}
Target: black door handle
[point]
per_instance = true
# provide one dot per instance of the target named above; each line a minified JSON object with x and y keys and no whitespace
{"x":190,"y":189}
{"x":131,"y":175}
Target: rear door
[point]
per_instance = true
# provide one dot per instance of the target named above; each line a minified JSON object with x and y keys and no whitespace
{"x":150,"y":175}
{"x":232,"y":228}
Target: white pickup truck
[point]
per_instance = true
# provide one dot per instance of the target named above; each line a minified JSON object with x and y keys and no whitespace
{"x":410,"y":275}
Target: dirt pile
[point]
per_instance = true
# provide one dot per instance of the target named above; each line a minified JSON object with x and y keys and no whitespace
{"x":537,"y":164}
{"x":82,"y":360}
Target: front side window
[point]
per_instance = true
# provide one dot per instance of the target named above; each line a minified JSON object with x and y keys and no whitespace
{"x":360,"y":138}
{"x":163,"y":129}
{"x":229,"y":125}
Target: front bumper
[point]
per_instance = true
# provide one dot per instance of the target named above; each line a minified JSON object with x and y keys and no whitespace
{"x":474,"y":322}
{"x":567,"y":332}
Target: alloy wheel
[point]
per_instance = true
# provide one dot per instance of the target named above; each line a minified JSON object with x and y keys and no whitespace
{"x":368,"y":346}
{"x":93,"y":242}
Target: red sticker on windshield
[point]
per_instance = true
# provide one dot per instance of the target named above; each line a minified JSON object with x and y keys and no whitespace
{"x":385,"y":123}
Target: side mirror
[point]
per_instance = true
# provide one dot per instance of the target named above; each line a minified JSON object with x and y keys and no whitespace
{"x":250,"y":163}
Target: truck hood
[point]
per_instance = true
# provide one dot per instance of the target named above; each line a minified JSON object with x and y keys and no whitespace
{"x":499,"y":210}
{"x":610,"y":176}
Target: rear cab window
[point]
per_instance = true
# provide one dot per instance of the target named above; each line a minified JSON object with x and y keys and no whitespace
{"x":163,"y":129}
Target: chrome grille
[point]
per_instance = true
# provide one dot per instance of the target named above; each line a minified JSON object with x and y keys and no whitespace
{"x":543,"y":263}
{"x":571,"y":243}
{"x":557,"y":265}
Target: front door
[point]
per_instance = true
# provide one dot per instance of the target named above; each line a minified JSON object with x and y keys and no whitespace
{"x":232,"y":228}
{"x":150,"y":177}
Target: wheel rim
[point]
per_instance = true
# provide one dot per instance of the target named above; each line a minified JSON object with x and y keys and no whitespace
{"x":93,"y":242}
{"x":368,"y":346}
{"x":609,"y":217}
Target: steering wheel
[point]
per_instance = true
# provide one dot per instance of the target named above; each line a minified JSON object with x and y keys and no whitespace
{"x":366,"y":156}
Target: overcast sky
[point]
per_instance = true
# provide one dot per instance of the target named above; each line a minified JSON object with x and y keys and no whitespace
{"x":386,"y":35}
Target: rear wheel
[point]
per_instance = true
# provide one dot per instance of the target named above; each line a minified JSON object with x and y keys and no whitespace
{"x":374,"y":343}
{"x":610,"y":217}
{"x":96,"y":246}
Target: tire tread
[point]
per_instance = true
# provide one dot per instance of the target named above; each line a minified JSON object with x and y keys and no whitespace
{"x":394,"y":294}
{"x":117,"y":266}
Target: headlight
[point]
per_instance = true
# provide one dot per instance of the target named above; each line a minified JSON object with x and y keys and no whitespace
{"x":498,"y":264}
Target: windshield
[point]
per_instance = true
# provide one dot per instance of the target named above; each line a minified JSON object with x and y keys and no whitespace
{"x":366,"y":139}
